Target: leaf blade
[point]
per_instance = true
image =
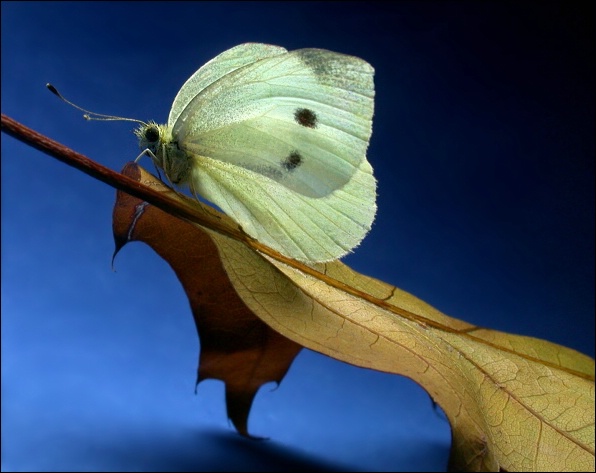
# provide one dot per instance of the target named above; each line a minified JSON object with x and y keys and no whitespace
{"x":514,"y":403}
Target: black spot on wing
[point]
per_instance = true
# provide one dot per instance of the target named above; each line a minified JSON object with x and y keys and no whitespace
{"x":305,"y":117}
{"x":292,"y":161}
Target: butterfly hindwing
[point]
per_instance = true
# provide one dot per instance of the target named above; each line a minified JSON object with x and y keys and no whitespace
{"x":306,"y":228}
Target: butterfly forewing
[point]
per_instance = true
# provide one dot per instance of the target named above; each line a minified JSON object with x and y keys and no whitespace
{"x":302,"y":119}
{"x":220,"y":66}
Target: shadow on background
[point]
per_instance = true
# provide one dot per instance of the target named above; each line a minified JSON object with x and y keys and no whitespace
{"x":217,"y":450}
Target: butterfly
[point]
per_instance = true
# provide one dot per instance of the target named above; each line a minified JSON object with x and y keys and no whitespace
{"x":276,"y":139}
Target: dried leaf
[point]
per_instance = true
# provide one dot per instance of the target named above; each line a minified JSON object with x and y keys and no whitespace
{"x":514,"y":402}
{"x":236,"y":346}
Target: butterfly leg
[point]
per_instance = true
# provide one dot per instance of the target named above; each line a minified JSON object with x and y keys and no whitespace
{"x":154,"y":159}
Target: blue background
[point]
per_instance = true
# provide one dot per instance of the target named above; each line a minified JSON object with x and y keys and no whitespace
{"x":483,"y":145}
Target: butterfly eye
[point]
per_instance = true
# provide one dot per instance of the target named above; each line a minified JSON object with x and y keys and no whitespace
{"x":152,"y":134}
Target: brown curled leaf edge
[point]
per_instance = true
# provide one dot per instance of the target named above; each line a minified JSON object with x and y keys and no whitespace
{"x":236,"y":347}
{"x":514,"y":403}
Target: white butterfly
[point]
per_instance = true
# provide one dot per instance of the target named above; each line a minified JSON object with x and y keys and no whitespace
{"x":278,"y":141}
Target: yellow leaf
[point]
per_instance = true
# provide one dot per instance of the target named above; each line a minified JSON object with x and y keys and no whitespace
{"x":514,"y":403}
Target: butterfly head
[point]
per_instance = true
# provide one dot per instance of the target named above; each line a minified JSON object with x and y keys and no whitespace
{"x":157,"y":141}
{"x":151,"y":137}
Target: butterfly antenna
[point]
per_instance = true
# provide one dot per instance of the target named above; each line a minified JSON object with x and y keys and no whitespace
{"x":90,"y":115}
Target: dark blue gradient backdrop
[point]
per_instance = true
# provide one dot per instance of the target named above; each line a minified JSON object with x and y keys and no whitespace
{"x":483,"y":145}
